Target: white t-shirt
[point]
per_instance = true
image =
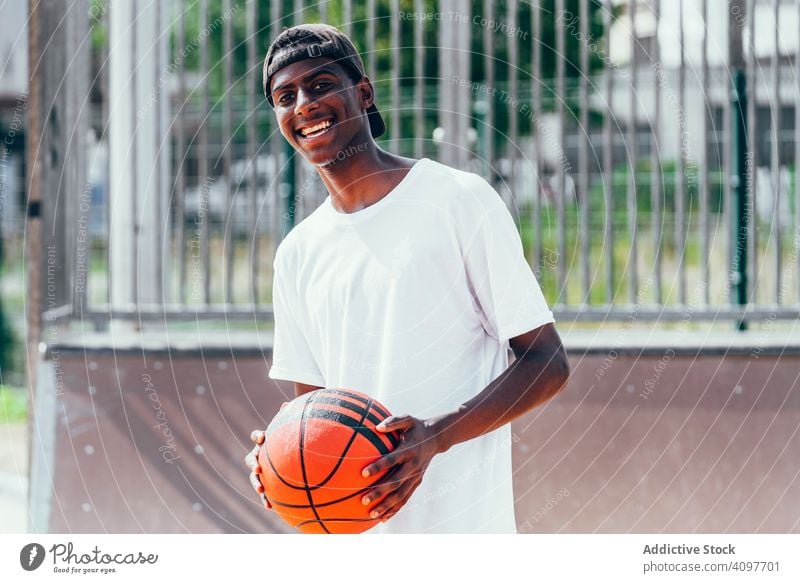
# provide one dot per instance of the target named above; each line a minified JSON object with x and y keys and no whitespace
{"x":412,"y":300}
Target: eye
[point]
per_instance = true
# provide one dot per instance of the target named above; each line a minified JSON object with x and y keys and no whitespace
{"x":284,"y":97}
{"x":322,"y":85}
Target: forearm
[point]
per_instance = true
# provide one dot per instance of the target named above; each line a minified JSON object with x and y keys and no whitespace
{"x":529,"y":382}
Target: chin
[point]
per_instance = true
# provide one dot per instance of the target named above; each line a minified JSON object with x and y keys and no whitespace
{"x":322,"y":156}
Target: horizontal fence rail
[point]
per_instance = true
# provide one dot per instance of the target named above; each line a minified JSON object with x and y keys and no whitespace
{"x":608,"y":129}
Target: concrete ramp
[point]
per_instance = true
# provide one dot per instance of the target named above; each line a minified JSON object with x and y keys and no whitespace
{"x":149,"y":436}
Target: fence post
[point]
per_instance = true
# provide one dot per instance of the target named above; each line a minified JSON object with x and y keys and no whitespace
{"x":138,"y":194}
{"x":739,"y":155}
{"x":455,"y":110}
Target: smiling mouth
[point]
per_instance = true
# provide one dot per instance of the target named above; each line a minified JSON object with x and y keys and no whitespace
{"x":317,"y":130}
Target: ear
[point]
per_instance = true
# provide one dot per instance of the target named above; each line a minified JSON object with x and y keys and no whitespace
{"x":365,"y":92}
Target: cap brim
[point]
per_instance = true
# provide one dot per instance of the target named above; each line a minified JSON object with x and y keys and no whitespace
{"x":376,"y":125}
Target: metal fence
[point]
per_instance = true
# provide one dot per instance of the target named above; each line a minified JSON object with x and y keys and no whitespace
{"x":649,"y":160}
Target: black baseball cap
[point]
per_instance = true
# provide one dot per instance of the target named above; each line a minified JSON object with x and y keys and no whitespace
{"x":312,"y":41}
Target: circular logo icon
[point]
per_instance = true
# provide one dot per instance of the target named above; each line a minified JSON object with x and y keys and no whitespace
{"x":31,"y":556}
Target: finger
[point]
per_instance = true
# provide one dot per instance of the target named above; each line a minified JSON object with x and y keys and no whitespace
{"x":386,"y":462}
{"x":256,"y":483}
{"x":251,"y":461}
{"x":257,"y":437}
{"x":383,"y":487}
{"x":265,"y":502}
{"x":394,"y":501}
{"x":396,"y":423}
{"x":284,"y":404}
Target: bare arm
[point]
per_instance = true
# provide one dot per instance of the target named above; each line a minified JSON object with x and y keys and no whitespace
{"x":540,"y":371}
{"x":301,"y":389}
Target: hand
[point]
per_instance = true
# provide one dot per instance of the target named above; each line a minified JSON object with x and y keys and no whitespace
{"x":406,"y":465}
{"x":251,"y":461}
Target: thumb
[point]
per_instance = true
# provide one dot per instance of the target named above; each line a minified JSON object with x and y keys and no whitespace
{"x":396,"y":423}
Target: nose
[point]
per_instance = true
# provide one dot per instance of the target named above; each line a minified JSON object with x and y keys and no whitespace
{"x":304,"y":102}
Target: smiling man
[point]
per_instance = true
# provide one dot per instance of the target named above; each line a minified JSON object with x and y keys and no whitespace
{"x":408,"y":283}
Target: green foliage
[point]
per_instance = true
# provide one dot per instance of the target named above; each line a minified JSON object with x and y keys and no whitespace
{"x":668,"y":176}
{"x":7,"y":343}
{"x":13,"y":405}
{"x":208,"y":31}
{"x":431,"y":21}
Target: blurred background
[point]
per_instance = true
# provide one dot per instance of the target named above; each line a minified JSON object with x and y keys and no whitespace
{"x":648,"y":151}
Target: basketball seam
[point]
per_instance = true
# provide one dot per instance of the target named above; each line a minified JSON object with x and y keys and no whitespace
{"x":339,"y":412}
{"x":357,"y":427}
{"x":303,"y":466}
{"x":370,"y":416}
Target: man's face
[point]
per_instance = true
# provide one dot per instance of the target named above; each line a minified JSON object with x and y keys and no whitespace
{"x":320,"y":109}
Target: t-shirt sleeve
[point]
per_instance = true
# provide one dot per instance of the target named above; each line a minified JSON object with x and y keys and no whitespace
{"x":503,"y":285}
{"x":292,"y":358}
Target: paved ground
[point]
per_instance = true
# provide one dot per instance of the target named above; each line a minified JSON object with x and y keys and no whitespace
{"x":13,"y":478}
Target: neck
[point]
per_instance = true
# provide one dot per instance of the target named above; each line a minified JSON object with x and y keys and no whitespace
{"x":361,"y":175}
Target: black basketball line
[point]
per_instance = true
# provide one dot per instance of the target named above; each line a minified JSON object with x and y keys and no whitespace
{"x":356,"y":409}
{"x":320,"y":505}
{"x":357,"y":429}
{"x":361,"y":399}
{"x":392,"y":437}
{"x":303,"y":465}
{"x":332,"y":502}
{"x":342,"y":419}
{"x":310,"y":521}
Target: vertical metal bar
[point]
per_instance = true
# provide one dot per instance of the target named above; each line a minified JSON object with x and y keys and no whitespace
{"x":396,"y":105}
{"x":536,"y":93}
{"x":134,"y":153}
{"x":252,"y":126}
{"x":299,"y":194}
{"x":202,"y":152}
{"x":276,"y":148}
{"x":561,"y":170}
{"x":740,"y":143}
{"x":656,"y":194}
{"x":633,"y":278}
{"x":348,"y":17}
{"x":162,"y":225}
{"x":703,"y":159}
{"x":512,"y":10}
{"x":727,"y":169}
{"x":34,"y":240}
{"x":608,"y":159}
{"x":323,"y":10}
{"x":488,"y":60}
{"x":228,"y":141}
{"x":180,"y":155}
{"x":419,"y":82}
{"x":680,"y":174}
{"x":106,"y":116}
{"x":797,"y":171}
{"x":775,"y":110}
{"x":749,"y":218}
{"x":584,"y":137}
{"x":371,"y":39}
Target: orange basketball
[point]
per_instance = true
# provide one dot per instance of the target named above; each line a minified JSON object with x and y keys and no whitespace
{"x":312,"y":457}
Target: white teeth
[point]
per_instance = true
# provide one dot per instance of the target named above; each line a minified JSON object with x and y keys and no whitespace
{"x":313,"y":129}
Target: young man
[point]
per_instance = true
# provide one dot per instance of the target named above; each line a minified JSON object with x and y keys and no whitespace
{"x":408,"y":283}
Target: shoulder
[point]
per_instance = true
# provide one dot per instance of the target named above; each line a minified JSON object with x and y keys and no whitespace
{"x":300,"y":237}
{"x":468,"y":196}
